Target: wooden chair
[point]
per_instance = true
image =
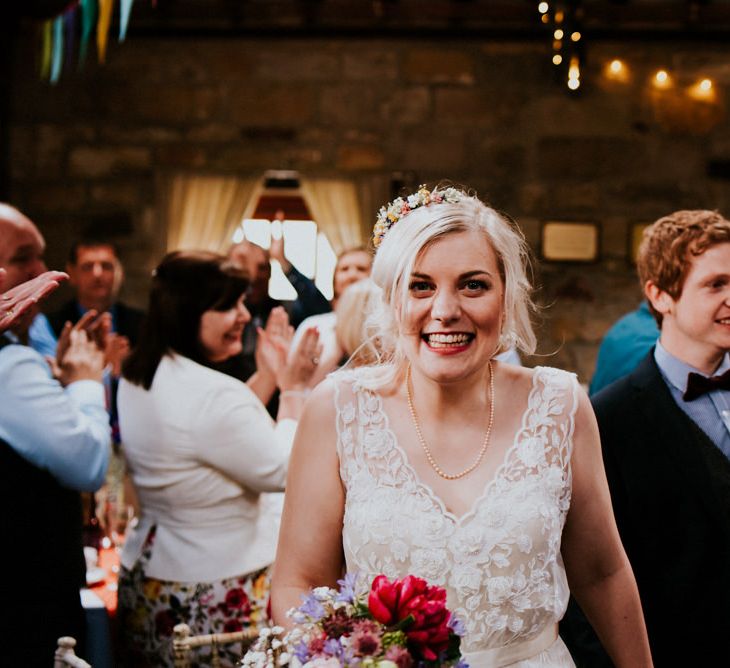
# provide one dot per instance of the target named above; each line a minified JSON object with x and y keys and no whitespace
{"x":183,"y":643}
{"x":65,"y":655}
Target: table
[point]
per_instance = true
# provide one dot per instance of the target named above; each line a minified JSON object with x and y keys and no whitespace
{"x":100,"y":606}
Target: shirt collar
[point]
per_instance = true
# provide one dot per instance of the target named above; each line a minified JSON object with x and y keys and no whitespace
{"x":11,"y":336}
{"x":676,"y":371}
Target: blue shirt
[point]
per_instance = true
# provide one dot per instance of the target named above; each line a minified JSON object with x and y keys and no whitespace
{"x":41,"y":337}
{"x":624,"y":346}
{"x":62,"y":430}
{"x":711,"y":411}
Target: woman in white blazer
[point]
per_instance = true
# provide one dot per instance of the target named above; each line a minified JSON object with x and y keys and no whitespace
{"x":202,"y":453}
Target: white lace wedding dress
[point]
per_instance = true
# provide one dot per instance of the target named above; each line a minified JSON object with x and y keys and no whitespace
{"x":500,"y":562}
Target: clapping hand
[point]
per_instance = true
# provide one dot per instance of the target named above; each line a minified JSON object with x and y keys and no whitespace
{"x":302,"y":363}
{"x":82,"y":359}
{"x":96,"y":328}
{"x":272,"y":343}
{"x":16,"y":301}
{"x":276,"y":250}
{"x":117,"y":349}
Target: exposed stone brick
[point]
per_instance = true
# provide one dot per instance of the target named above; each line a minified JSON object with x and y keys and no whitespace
{"x":360,"y":157}
{"x":439,"y":66}
{"x":124,"y":194}
{"x":142,"y":135}
{"x":181,"y":156}
{"x":92,"y":161}
{"x":213,"y":132}
{"x":407,"y":106}
{"x":271,"y":105}
{"x":350,"y":105}
{"x":296,"y":64}
{"x":56,"y":198}
{"x":370,"y":65}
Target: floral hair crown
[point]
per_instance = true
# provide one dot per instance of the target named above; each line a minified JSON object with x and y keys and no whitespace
{"x":390,"y":214}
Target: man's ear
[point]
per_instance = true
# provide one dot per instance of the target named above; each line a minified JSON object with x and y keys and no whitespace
{"x":71,"y":271}
{"x":661,"y":300}
{"x":118,"y":277}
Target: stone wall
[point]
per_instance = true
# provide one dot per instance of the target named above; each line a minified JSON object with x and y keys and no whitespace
{"x":93,"y":150}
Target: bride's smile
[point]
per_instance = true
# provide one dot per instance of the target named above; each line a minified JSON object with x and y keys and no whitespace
{"x":450,"y":323}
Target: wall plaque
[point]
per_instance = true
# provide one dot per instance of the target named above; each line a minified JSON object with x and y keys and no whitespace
{"x":569,"y":241}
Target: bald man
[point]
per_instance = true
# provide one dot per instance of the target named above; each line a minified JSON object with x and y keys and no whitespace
{"x":54,"y":443}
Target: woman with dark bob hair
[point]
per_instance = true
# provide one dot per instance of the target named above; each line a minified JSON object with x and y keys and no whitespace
{"x":202,"y":452}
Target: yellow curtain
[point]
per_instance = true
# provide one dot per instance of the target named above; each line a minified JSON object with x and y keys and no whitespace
{"x":335,"y":208}
{"x":204,"y":211}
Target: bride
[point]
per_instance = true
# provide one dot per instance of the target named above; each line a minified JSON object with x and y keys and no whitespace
{"x":479,"y":476}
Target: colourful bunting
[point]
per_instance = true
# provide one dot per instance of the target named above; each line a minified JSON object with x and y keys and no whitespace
{"x":125,"y":9}
{"x":58,"y":36}
{"x":102,"y":27}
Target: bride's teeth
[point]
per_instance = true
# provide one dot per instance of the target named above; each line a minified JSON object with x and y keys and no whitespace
{"x":447,"y":339}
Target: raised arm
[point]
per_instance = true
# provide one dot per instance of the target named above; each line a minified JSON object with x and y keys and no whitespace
{"x":599,"y":573}
{"x":310,"y":539}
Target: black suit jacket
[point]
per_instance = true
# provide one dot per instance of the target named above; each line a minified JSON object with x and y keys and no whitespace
{"x":670,"y":487}
{"x":128,"y":320}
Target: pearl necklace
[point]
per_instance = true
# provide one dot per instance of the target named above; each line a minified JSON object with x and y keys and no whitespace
{"x":431,"y":460}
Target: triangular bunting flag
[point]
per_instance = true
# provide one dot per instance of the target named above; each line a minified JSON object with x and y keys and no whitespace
{"x":88,"y":19}
{"x":57,"y":57}
{"x":46,"y":49}
{"x":102,"y":27}
{"x":125,"y":9}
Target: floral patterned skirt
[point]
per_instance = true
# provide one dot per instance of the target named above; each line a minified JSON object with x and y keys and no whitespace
{"x":149,"y":609}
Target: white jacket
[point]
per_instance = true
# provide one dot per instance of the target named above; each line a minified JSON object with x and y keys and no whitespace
{"x":201,"y":449}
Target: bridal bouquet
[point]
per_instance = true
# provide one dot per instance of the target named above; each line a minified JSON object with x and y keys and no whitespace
{"x":397,"y":624}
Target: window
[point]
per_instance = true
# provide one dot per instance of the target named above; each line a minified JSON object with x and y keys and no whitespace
{"x":305,"y":246}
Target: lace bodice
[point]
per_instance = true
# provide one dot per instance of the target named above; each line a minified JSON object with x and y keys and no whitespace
{"x":500,"y":562}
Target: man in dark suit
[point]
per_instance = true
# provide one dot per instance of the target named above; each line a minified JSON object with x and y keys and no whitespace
{"x":96,"y":275}
{"x":665,"y":431}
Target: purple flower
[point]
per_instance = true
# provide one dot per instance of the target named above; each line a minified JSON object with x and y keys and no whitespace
{"x":457,"y":626}
{"x":332,"y":647}
{"x":347,"y":591}
{"x":301,"y":651}
{"x":462,"y":664}
{"x":312,"y":607}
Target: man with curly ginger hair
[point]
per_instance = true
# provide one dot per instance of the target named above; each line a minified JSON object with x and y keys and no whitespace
{"x":665,"y":430}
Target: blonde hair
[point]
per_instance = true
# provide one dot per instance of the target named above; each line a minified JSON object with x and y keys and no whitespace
{"x":416,"y":231}
{"x":355,"y":333}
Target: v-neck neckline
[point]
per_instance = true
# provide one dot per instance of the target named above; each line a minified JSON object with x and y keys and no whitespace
{"x":428,"y":490}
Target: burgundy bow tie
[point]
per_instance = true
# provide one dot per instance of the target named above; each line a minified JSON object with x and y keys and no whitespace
{"x":697,"y":385}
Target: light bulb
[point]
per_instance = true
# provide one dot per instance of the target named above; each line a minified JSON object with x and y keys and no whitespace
{"x":557,"y":59}
{"x":543,"y":7}
{"x":575,"y":36}
{"x":558,"y":34}
{"x":573,"y":84}
{"x":705,"y":85}
{"x":616,"y":66}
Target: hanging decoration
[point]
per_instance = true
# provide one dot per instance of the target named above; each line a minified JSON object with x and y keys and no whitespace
{"x":57,"y":57}
{"x":102,"y":27}
{"x":82,"y":17}
{"x":562,"y":18}
{"x":125,"y":9}
{"x":46,"y":50}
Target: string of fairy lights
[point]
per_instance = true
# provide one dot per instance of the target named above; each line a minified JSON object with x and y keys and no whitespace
{"x":564,"y":18}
